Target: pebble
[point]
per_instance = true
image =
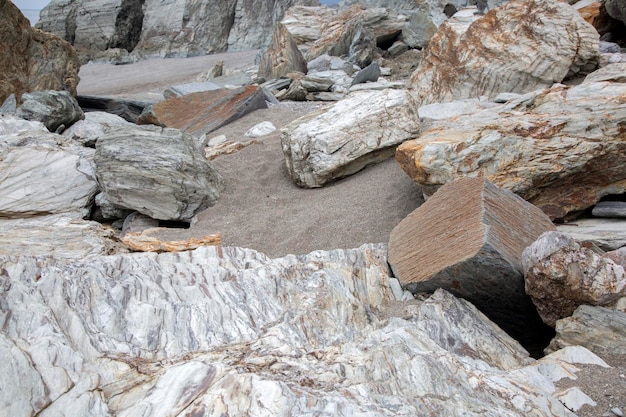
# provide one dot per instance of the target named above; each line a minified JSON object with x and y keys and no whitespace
{"x":617,"y":412}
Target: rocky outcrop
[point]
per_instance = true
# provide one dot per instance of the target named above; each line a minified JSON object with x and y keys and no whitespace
{"x":282,"y":56}
{"x":558,"y":148}
{"x":161,"y":173}
{"x":32,"y":60}
{"x":305,"y":23}
{"x":359,"y":130}
{"x":561,"y":275}
{"x":57,"y":110}
{"x":471,"y":60}
{"x":480,"y":232}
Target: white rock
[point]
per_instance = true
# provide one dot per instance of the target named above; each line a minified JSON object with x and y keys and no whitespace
{"x":573,"y":398}
{"x":261,"y":129}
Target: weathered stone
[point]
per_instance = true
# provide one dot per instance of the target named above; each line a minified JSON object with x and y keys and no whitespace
{"x":421,"y":27}
{"x":381,"y":84}
{"x":475,"y":59}
{"x":561,"y":275}
{"x":128,"y":109}
{"x":93,"y":126}
{"x":618,"y":256}
{"x":359,"y":130}
{"x":362,"y":50}
{"x":338,"y":80}
{"x":616,"y":9}
{"x":236,"y":79}
{"x":161,"y":173}
{"x":261,"y":129}
{"x":560,"y":148}
{"x":148,"y":241}
{"x":203,"y":112}
{"x":609,"y":47}
{"x":32,"y":60}
{"x":282,"y":56}
{"x":107,"y":211}
{"x":325,"y":96}
{"x":9,"y":106}
{"x":136,"y":222}
{"x":326,"y":62}
{"x":314,"y":84}
{"x":607,"y":234}
{"x":614,"y":72}
{"x":468,"y":238}
{"x":609,"y":209}
{"x":596,"y":15}
{"x":57,"y":110}
{"x":397,"y":48}
{"x":440,"y":111}
{"x":367,"y":74}
{"x":305,"y":23}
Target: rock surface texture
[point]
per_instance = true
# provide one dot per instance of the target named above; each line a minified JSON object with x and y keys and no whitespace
{"x":470,"y":61}
{"x":479,"y":232}
{"x":282,"y":56}
{"x":57,"y":110}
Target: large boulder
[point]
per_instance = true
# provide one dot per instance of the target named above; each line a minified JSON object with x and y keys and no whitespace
{"x":468,"y":238}
{"x":560,"y":148}
{"x":32,"y":60}
{"x":305,"y":23}
{"x":471,"y":60}
{"x":282,"y":56}
{"x":161,"y":173}
{"x":361,"y":129}
{"x":57,"y":110}
{"x":561,"y":275}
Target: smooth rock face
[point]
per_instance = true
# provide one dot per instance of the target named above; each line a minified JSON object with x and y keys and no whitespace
{"x":470,"y":61}
{"x":560,"y":148}
{"x":229,"y":331}
{"x":32,"y":60}
{"x":613,"y":72}
{"x":561,"y":275}
{"x":161,"y":173}
{"x":57,"y":110}
{"x":206,"y":111}
{"x":359,"y":130}
{"x":468,"y":238}
{"x":282,"y":56}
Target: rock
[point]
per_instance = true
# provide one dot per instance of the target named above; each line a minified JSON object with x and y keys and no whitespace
{"x":609,"y":47}
{"x":161,"y":173}
{"x":261,"y":129}
{"x":614,"y":72}
{"x":561,"y":275}
{"x":325,"y":96}
{"x":326,"y":62}
{"x":128,"y":109}
{"x":595,"y":14}
{"x":421,"y":27}
{"x":610,"y":209}
{"x":57,"y":110}
{"x":217,"y":71}
{"x":379,"y":85}
{"x":608,"y":59}
{"x":9,"y":106}
{"x":440,"y":111}
{"x":339,"y":80}
{"x":474,"y":59}
{"x":397,"y":48}
{"x":282,"y":56}
{"x":557,"y":148}
{"x":468,"y":238}
{"x":107,"y":211}
{"x":362,"y":50}
{"x":203,"y":112}
{"x":601,"y":330}
{"x":233,"y":80}
{"x":226,"y":148}
{"x":305,"y":23}
{"x":315,"y":84}
{"x":574,"y":399}
{"x":616,"y":9}
{"x":148,"y":241}
{"x":136,"y":222}
{"x":357,"y":131}
{"x":618,"y":256}
{"x":93,"y":126}
{"x":367,"y":74}
{"x":44,"y":173}
{"x":607,"y":234}
{"x":33,"y":60}
{"x":295,"y":92}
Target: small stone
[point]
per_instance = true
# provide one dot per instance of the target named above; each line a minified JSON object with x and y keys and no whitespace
{"x":261,"y":129}
{"x":617,"y":412}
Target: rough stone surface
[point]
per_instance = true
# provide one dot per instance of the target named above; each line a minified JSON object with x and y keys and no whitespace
{"x":558,"y":148}
{"x":475,"y":59}
{"x":561,"y":275}
{"x":161,"y":173}
{"x":359,"y":130}
{"x":57,"y":110}
{"x":261,"y":129}
{"x":468,"y":238}
{"x":235,"y":79}
{"x":368,"y":74}
{"x":93,"y":126}
{"x":613,"y":72}
{"x":610,"y":209}
{"x":305,"y":23}
{"x":128,"y":109}
{"x":146,"y":241}
{"x":607,"y":234}
{"x":282,"y":56}
{"x":203,"y":112}
{"x":616,"y":9}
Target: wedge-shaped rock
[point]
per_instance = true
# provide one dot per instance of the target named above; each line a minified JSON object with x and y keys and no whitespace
{"x":57,"y":110}
{"x":282,"y":56}
{"x":205,"y":111}
{"x":561,"y":275}
{"x":470,"y":61}
{"x":161,"y":173}
{"x":468,"y":238}
{"x":359,"y":130}
{"x":562,"y":149}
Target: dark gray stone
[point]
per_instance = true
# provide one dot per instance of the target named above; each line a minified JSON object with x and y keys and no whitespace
{"x":129,"y":110}
{"x":369,"y":73}
{"x":57,"y":110}
{"x":610,"y":209}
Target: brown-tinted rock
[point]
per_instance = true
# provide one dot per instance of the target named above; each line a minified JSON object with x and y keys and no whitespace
{"x":595,"y":14}
{"x":32,"y":60}
{"x":282,"y":56}
{"x":148,"y":241}
{"x":468,"y":238}
{"x":206,"y":111}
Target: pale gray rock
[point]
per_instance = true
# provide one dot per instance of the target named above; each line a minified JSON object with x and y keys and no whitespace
{"x":610,"y":209}
{"x":607,"y":234}
{"x":235,"y":79}
{"x":128,"y":109}
{"x":608,"y":59}
{"x":326,"y":62}
{"x":57,"y":110}
{"x":158,"y":172}
{"x":282,"y":56}
{"x":137,"y":222}
{"x":422,"y":26}
{"x":397,"y":48}
{"x":339,"y":80}
{"x":305,"y":23}
{"x":109,"y":211}
{"x":313,"y":83}
{"x":325,"y":96}
{"x":261,"y":129}
{"x":440,"y":111}
{"x":359,"y":130}
{"x":381,"y":84}
{"x":574,"y":399}
{"x":609,"y":47}
{"x":368,"y":74}
{"x":9,"y":106}
{"x":614,"y":72}
{"x":93,"y":126}
{"x":363,"y":48}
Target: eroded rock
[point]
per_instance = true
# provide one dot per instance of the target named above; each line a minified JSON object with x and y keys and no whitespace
{"x":282,"y":56}
{"x":57,"y":110}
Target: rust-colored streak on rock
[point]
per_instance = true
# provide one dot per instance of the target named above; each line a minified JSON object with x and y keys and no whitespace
{"x":148,"y":241}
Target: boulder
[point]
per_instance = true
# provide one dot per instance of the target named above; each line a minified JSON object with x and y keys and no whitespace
{"x":468,"y":238}
{"x":203,"y":112}
{"x":613,"y":72}
{"x":609,"y":209}
{"x":161,"y":173}
{"x":32,"y":60}
{"x":234,"y":79}
{"x":421,"y":27}
{"x":357,"y":131}
{"x":476,"y":58}
{"x":367,"y":74}
{"x":282,"y":56}
{"x":148,"y":240}
{"x":561,"y":275}
{"x":607,"y":234}
{"x":558,"y":148}
{"x":93,"y":126}
{"x":326,"y":62}
{"x":594,"y":12}
{"x":128,"y":109}
{"x":616,"y":9}
{"x":57,"y":110}
{"x":362,"y":50}
{"x":260,"y":129}
{"x":305,"y":23}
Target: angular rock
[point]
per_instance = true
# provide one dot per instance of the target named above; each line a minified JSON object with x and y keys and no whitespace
{"x":236,"y":79}
{"x":468,"y":238}
{"x":128,"y":109}
{"x":57,"y":110}
{"x":261,"y":129}
{"x":421,"y":27}
{"x":161,"y":173}
{"x":607,"y":234}
{"x":206,"y":111}
{"x":440,"y":111}
{"x":93,"y":126}
{"x":561,"y":275}
{"x":362,"y":50}
{"x":595,"y":14}
{"x":466,"y":61}
{"x":614,"y":72}
{"x":367,"y":74}
{"x":616,"y":9}
{"x":148,"y":241}
{"x":359,"y":130}
{"x":282,"y":56}
{"x":316,"y":84}
{"x":295,"y":92}
{"x":305,"y":23}
{"x":326,"y":62}
{"x":610,"y":209}
{"x":560,"y":148}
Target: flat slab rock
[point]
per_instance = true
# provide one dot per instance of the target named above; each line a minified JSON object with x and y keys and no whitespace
{"x":607,"y":234}
{"x":468,"y":238}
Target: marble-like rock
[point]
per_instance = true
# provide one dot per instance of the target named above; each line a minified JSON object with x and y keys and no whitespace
{"x":601,"y":330}
{"x":478,"y":58}
{"x":613,"y":72}
{"x":305,"y":23}
{"x":57,"y":110}
{"x":203,"y":112}
{"x":223,"y":330}
{"x":440,"y":111}
{"x":468,"y":238}
{"x":421,"y":27}
{"x":93,"y":126}
{"x":357,"y":131}
{"x":33,"y":60}
{"x":560,"y":275}
{"x":161,"y":173}
{"x":607,"y":234}
{"x":558,"y":148}
{"x":44,"y":173}
{"x":282,"y":56}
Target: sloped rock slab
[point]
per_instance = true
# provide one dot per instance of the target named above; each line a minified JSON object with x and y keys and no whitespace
{"x":57,"y":110}
{"x":607,"y":234}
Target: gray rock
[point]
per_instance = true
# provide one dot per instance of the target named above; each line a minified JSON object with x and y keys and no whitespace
{"x":9,"y":106}
{"x":235,"y":79}
{"x":367,"y":74}
{"x":137,"y":222}
{"x":363,"y":50}
{"x":607,"y":234}
{"x":282,"y":56}
{"x":55,"y":109}
{"x":397,"y":48}
{"x":108,"y":211}
{"x":609,"y":47}
{"x":93,"y":126}
{"x":616,"y":9}
{"x":313,"y":83}
{"x":128,"y":109}
{"x":326,"y":62}
{"x":305,"y":23}
{"x":161,"y":173}
{"x":610,"y":209}
{"x":421,"y":27}
{"x":441,"y":111}
{"x":613,"y":72}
